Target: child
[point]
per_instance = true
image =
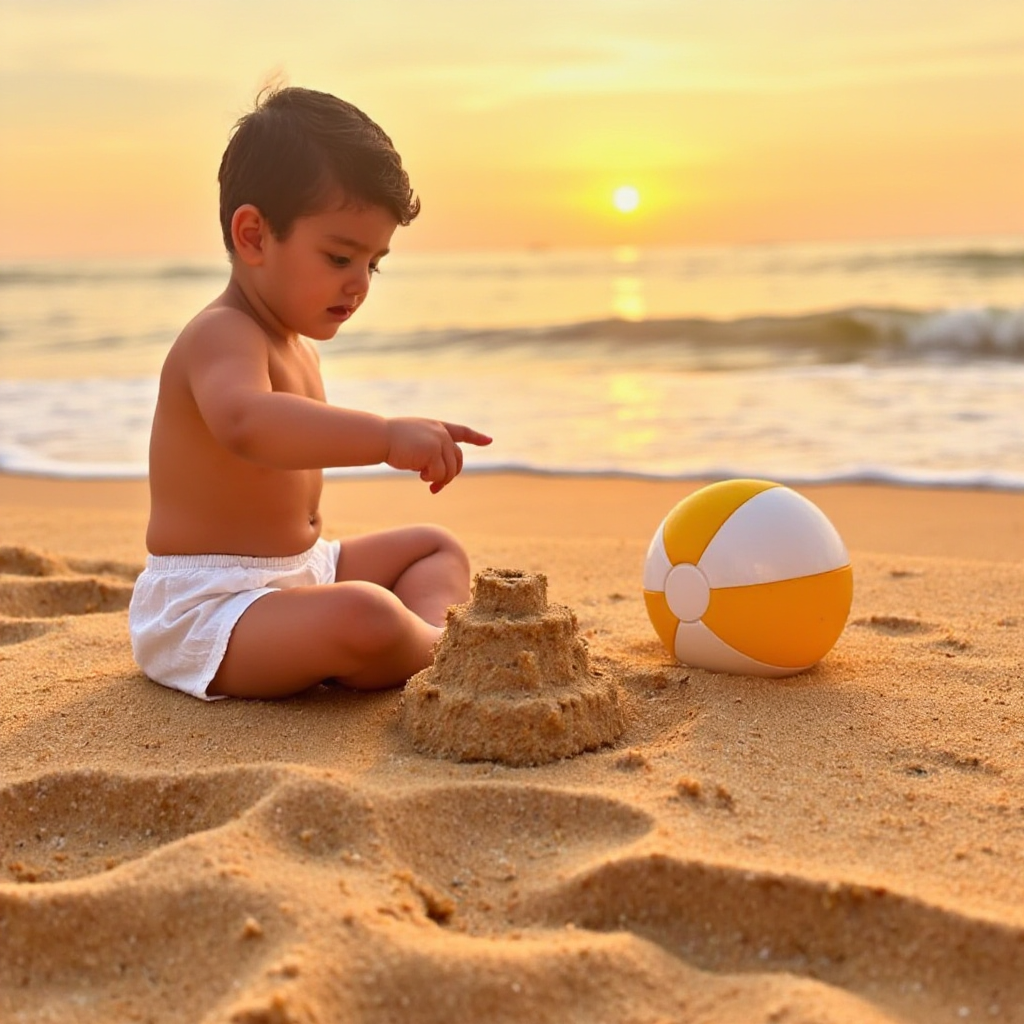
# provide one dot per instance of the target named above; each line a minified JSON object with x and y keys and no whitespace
{"x":240,"y":596}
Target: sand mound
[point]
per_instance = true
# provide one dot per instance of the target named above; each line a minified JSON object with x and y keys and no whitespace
{"x":512,"y":681}
{"x":37,"y":585}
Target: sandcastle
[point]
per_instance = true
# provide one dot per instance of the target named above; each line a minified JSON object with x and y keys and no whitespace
{"x":511,"y":680}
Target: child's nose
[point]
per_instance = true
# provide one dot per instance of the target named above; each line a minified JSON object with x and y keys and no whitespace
{"x":357,"y":282}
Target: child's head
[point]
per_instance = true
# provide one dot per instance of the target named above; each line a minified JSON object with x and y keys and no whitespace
{"x":299,"y":147}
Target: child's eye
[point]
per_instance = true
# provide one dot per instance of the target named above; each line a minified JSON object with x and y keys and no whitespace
{"x":374,"y":268}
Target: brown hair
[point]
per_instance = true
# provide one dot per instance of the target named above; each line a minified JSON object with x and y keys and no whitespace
{"x":295,"y":146}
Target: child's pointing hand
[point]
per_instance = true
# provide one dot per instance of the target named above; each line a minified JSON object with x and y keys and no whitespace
{"x":430,"y":448}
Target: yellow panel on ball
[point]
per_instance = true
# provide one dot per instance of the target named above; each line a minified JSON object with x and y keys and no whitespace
{"x":661,"y":617}
{"x":692,"y":524}
{"x":759,"y":621}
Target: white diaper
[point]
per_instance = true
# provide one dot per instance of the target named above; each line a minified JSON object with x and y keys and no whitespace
{"x":184,"y":607}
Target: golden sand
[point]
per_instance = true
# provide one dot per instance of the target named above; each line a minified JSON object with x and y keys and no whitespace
{"x":843,"y":846}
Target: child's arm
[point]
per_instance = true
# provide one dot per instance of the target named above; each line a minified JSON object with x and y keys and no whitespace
{"x":230,"y":382}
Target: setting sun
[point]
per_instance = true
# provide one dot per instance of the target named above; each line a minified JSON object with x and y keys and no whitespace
{"x":626,"y":199}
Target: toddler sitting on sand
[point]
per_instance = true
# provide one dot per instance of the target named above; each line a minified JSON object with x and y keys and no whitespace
{"x":240,"y":595}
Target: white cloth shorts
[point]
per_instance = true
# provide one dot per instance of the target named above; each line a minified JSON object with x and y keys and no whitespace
{"x":184,"y":607}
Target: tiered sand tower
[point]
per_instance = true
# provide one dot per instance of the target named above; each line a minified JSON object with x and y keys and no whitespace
{"x":511,"y":680}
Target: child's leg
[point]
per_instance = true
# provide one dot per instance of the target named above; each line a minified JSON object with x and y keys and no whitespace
{"x":374,"y":628}
{"x":425,"y":566}
{"x":292,"y":639}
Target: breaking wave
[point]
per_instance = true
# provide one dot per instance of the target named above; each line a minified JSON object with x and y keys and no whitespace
{"x":832,"y":336}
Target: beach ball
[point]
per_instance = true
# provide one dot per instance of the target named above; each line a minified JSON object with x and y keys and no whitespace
{"x":750,"y":577}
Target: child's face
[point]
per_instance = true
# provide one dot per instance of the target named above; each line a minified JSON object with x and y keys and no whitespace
{"x":318,"y":276}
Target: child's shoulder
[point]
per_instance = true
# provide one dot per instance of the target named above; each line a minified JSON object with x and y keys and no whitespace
{"x":219,"y":330}
{"x":222,"y":321}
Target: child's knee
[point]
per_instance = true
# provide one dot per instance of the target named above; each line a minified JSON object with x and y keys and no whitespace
{"x":375,"y":622}
{"x":445,"y":542}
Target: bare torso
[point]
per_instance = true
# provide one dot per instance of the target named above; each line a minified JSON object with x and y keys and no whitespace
{"x":204,"y":499}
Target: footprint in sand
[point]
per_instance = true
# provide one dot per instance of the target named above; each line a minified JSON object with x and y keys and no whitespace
{"x":73,"y":824}
{"x":728,"y":919}
{"x":951,"y":645}
{"x":478,"y":845}
{"x":315,"y":820}
{"x":894,"y":625}
{"x":36,"y":589}
{"x":901,"y":628}
{"x":927,"y":762}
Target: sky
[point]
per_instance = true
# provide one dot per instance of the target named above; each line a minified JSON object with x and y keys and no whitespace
{"x":734,"y":120}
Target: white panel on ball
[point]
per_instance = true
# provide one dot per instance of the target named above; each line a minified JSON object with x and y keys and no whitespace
{"x":802,"y":542}
{"x":657,"y":567}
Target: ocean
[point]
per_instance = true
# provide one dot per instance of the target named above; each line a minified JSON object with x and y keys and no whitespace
{"x":897,"y":362}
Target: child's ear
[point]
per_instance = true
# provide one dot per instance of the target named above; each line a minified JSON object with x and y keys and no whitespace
{"x":248,"y":231}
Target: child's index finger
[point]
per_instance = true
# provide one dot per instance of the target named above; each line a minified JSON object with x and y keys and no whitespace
{"x":458,"y":432}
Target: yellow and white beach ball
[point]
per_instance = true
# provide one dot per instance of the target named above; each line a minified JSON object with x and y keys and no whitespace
{"x":747,"y":576}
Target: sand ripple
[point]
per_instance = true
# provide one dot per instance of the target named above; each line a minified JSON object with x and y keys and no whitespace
{"x":267,"y":894}
{"x":36,"y":588}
